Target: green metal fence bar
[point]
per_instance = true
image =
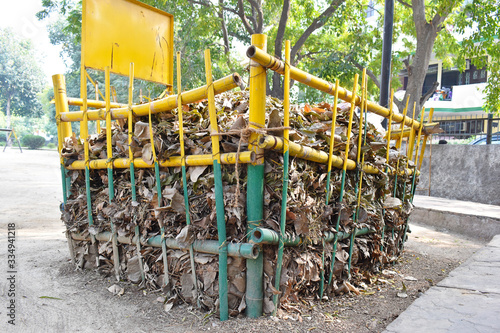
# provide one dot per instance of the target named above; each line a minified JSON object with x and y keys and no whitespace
{"x":219,"y":196}
{"x":344,"y":170}
{"x":184,"y":178}
{"x":237,"y":250}
{"x":286,"y":138}
{"x":255,"y":180}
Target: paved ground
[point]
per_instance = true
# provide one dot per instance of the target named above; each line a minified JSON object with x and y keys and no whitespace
{"x":52,"y":299}
{"x":468,"y":300}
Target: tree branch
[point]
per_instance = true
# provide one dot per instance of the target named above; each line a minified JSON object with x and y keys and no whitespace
{"x":201,"y":2}
{"x":370,"y":74}
{"x":243,"y":17}
{"x":406,"y":4}
{"x":260,"y":15}
{"x":225,"y":37}
{"x":278,"y":43}
{"x":317,"y":23}
{"x":429,"y":93}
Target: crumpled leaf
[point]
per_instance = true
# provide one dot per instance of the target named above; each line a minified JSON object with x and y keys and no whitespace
{"x":147,"y":154}
{"x":186,"y":237}
{"x":116,"y":290}
{"x":141,"y":131}
{"x":196,"y":172}
{"x":391,"y":202}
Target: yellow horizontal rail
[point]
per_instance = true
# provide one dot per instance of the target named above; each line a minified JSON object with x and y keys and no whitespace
{"x":308,"y":153}
{"x":174,"y":161}
{"x":161,"y":105}
{"x":428,"y":128}
{"x":92,"y":103}
{"x":296,"y":74}
{"x":314,"y":155}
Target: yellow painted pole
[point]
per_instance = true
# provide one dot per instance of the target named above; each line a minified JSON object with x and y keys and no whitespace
{"x":268,"y":61}
{"x":398,"y":145}
{"x":255,"y":179}
{"x":245,"y":157}
{"x":424,"y":143}
{"x":98,"y":123}
{"x":411,"y":129}
{"x":159,"y":196}
{"x":111,"y":189}
{"x":310,"y":154}
{"x":94,"y":103}
{"x":84,"y":133}
{"x":161,"y":105}
{"x":130,"y":121}
{"x":61,"y":99}
{"x":109,"y":134}
{"x":411,"y":140}
{"x":362,"y":128}
{"x":362,"y":107}
{"x":219,"y":196}
{"x":332,"y":140}
{"x":389,"y":126}
{"x":344,"y":170}
{"x":284,"y":195}
{"x":92,"y":82}
{"x":400,"y":140}
{"x":61,"y":104}
{"x":422,"y":116}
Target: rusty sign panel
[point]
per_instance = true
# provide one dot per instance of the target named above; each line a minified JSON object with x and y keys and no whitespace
{"x":118,"y":32}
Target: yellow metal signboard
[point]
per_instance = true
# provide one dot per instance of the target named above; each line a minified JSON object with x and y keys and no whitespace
{"x":118,"y":32}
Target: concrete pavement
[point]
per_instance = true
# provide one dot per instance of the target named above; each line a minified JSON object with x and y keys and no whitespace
{"x":468,"y":300}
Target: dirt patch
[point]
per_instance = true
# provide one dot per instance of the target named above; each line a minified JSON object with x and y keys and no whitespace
{"x":52,"y":296}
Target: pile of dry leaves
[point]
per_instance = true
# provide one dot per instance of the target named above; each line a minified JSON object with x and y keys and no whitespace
{"x":307,"y":214}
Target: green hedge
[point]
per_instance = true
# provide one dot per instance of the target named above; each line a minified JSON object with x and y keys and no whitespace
{"x":33,"y":141}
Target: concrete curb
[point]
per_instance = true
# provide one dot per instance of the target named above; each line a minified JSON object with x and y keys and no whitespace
{"x":475,"y":220}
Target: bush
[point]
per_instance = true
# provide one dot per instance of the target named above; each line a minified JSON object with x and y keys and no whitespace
{"x":51,"y":145}
{"x":33,"y":141}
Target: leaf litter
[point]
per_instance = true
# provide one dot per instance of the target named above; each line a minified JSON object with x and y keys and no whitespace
{"x":307,"y":215}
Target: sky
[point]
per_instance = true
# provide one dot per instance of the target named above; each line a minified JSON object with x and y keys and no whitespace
{"x":20,"y":17}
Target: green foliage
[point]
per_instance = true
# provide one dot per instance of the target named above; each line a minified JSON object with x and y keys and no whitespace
{"x":20,"y":76}
{"x":51,"y":145}
{"x":33,"y":141}
{"x":479,"y":20}
{"x":340,"y":44}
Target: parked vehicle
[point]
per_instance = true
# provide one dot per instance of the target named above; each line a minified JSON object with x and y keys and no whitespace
{"x":481,"y":140}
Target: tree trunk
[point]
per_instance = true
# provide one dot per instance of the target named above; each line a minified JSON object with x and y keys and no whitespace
{"x":418,"y":70}
{"x":427,"y":32}
{"x":277,"y":86}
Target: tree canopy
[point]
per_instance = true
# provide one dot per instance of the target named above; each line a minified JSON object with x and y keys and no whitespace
{"x":480,"y":22}
{"x":21,"y":79}
{"x":331,"y":39}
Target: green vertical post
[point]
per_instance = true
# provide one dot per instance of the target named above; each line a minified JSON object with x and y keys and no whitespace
{"x":286,"y":158}
{"x":111,"y":188}
{"x":344,"y":170}
{"x":360,"y":160}
{"x":328,"y":177}
{"x":159,"y":196}
{"x":184,"y":178}
{"x":255,"y":179}
{"x":219,"y":196}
